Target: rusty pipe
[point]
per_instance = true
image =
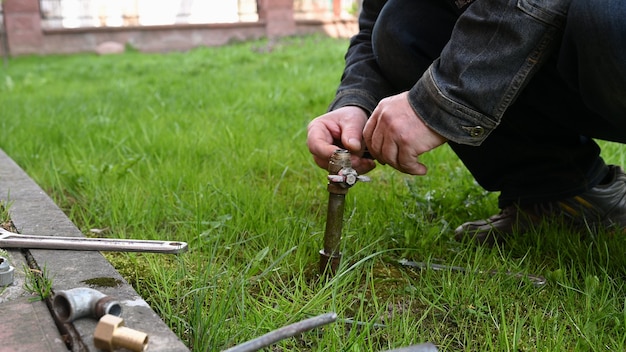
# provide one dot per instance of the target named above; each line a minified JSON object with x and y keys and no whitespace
{"x":284,"y":332}
{"x":341,"y":176}
{"x":330,"y":255}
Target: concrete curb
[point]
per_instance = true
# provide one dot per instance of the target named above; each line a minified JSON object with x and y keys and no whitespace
{"x":34,"y":213}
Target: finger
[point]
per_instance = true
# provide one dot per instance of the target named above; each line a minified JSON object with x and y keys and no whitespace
{"x":408,"y":163}
{"x":417,"y":169}
{"x":361,"y":165}
{"x":320,"y":141}
{"x":377,"y":142}
{"x":321,"y":162}
{"x":352,"y":136}
{"x":388,"y":150}
{"x":368,"y":130}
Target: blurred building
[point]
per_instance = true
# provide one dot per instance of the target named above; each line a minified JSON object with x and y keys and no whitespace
{"x":65,"y":26}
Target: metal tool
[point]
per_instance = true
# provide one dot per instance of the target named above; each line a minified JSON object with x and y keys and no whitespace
{"x":341,"y":176}
{"x":13,"y":240}
{"x":306,"y":325}
{"x":284,"y":332}
{"x":536,"y":280}
{"x":422,"y":347}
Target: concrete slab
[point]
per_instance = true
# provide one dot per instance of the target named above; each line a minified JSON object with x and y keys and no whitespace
{"x":25,"y":324}
{"x":28,"y":326}
{"x":34,"y":213}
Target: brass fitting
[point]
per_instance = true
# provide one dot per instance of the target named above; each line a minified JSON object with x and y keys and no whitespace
{"x":111,"y":333}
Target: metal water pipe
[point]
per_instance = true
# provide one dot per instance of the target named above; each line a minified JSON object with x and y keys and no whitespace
{"x":341,"y":176}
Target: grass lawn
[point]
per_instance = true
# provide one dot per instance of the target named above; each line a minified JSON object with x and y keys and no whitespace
{"x":208,"y":147}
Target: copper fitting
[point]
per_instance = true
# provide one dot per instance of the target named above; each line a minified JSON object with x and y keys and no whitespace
{"x":111,"y":334}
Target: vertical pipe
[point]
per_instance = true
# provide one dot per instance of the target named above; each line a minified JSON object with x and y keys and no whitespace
{"x":334,"y":223}
{"x":330,"y":256}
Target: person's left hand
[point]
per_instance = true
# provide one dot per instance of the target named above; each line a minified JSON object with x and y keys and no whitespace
{"x":395,"y":135}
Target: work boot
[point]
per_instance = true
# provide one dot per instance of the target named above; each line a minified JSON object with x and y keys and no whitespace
{"x":603,"y":206}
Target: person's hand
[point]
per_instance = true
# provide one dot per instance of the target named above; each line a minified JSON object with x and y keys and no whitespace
{"x":395,"y":135}
{"x":341,"y":128}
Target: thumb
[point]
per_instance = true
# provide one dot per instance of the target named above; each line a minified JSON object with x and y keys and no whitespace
{"x":352,"y":131}
{"x":353,"y":144}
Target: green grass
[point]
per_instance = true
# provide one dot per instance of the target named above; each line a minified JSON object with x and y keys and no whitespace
{"x":208,"y":147}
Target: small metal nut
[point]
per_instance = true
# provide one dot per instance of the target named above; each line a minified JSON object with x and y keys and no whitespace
{"x":351,"y":179}
{"x":111,"y":334}
{"x":6,"y":272}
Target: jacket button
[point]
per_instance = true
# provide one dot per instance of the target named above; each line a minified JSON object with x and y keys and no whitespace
{"x":476,"y":131}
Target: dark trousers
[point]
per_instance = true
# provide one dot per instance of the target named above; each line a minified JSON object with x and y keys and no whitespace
{"x":543,"y":149}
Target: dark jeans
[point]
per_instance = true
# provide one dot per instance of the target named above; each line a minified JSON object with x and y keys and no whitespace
{"x":543,"y":149}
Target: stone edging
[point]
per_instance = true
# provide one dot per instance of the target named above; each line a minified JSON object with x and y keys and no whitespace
{"x":34,"y":213}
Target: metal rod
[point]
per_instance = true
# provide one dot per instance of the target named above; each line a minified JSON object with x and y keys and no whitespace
{"x":284,"y":332}
{"x":13,"y":240}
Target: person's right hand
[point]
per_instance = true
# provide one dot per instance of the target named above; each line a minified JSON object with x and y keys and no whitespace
{"x":397,"y":136}
{"x":341,"y":128}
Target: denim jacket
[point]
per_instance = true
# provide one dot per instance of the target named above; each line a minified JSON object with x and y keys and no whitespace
{"x":494,"y":50}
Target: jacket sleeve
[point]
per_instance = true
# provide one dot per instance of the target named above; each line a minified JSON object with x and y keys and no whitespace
{"x":362,"y":83}
{"x":495,"y":48}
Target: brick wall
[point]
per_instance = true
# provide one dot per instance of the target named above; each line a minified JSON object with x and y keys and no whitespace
{"x":25,"y":35}
{"x":3,"y":43}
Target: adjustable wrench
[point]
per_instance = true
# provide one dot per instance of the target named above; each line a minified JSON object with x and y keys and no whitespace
{"x":13,"y":240}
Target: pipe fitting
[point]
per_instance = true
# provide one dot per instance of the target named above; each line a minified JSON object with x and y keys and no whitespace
{"x":70,"y":305}
{"x":6,"y":272}
{"x":111,"y":334}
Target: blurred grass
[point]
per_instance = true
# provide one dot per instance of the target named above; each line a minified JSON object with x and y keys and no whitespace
{"x":208,"y":147}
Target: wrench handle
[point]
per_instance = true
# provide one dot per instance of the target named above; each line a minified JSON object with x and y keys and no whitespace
{"x":12,"y":240}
